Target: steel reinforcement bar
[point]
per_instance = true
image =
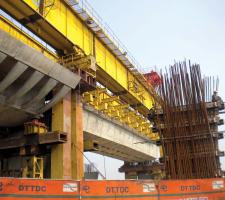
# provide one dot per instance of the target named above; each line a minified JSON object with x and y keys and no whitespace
{"x":196,"y":157}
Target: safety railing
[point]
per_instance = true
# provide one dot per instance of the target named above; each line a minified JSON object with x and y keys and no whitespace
{"x":84,"y":5}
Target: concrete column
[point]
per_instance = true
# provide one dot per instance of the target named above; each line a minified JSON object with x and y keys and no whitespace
{"x":67,"y":159}
{"x":60,"y":154}
{"x":77,"y":146}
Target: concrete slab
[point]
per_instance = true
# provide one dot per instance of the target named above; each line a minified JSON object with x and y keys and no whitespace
{"x":26,"y":77}
{"x":117,"y":140}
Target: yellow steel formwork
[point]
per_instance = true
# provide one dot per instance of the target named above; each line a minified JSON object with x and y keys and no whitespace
{"x":111,"y":73}
{"x":113,"y":107}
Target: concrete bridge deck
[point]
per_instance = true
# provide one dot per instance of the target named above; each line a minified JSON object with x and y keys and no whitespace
{"x":26,"y":77}
{"x":117,"y":140}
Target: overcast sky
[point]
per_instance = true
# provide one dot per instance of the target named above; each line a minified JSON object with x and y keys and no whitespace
{"x":161,"y":31}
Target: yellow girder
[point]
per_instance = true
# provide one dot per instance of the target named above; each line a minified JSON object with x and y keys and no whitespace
{"x":14,"y":31}
{"x":60,"y":27}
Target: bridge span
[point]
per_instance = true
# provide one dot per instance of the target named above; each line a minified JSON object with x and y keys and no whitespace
{"x":85,"y":85}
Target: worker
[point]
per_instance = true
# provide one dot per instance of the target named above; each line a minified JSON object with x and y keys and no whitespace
{"x":154,"y":128}
{"x":216,"y":98}
{"x":152,"y":114}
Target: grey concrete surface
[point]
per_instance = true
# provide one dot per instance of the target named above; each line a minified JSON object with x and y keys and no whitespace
{"x":26,"y":77}
{"x":117,"y":140}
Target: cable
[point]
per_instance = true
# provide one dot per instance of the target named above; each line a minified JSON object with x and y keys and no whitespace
{"x":104,"y":166}
{"x":91,"y":162}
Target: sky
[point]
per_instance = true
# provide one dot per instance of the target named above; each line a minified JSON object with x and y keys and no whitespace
{"x":161,"y":31}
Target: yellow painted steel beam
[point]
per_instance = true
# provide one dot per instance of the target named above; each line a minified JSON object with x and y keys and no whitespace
{"x":14,"y":31}
{"x":61,"y":27}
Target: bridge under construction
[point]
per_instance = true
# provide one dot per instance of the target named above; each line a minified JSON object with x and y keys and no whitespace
{"x":69,"y":86}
